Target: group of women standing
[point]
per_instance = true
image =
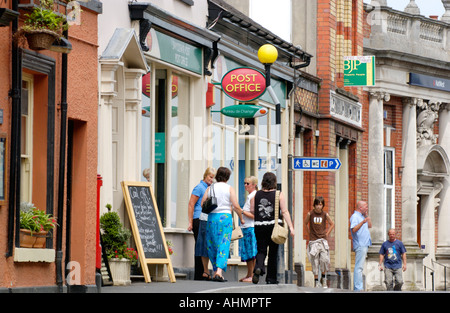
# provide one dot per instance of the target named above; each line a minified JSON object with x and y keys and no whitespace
{"x":212,"y":232}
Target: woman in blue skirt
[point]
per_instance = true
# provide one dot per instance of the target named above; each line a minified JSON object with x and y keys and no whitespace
{"x":220,"y":222}
{"x":247,"y":244}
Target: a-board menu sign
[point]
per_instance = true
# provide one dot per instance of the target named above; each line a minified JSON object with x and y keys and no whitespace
{"x":146,"y":227}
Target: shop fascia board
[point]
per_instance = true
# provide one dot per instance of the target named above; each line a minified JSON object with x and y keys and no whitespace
{"x":169,"y":22}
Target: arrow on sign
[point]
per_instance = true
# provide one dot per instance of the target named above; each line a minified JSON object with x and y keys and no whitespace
{"x":315,"y":164}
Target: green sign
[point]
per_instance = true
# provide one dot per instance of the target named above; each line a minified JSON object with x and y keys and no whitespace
{"x":243,"y":111}
{"x":175,"y":51}
{"x":359,"y":71}
{"x":160,"y":147}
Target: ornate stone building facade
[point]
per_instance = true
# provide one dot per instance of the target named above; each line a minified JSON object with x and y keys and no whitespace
{"x":408,"y":140}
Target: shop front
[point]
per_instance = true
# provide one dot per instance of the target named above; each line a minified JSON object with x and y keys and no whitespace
{"x":184,"y":128}
{"x":173,"y":130}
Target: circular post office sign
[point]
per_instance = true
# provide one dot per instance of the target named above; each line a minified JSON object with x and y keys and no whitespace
{"x":244,"y":84}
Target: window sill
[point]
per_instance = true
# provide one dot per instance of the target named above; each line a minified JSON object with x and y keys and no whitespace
{"x":34,"y":255}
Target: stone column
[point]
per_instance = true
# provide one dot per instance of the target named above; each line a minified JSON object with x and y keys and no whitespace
{"x":376,"y":188}
{"x":409,"y":173}
{"x":413,"y":277}
{"x":444,"y":208}
{"x":107,"y":94}
{"x":443,"y":244}
{"x":132,"y":124}
{"x":376,"y":165}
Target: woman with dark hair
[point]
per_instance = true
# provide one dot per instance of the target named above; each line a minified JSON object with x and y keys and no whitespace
{"x":220,"y":222}
{"x":263,"y":208}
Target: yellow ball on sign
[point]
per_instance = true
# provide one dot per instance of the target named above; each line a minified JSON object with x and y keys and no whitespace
{"x":267,"y":54}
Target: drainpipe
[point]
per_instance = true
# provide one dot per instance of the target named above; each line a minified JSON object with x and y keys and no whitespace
{"x":62,"y":171}
{"x":307,"y":62}
{"x":14,"y":173}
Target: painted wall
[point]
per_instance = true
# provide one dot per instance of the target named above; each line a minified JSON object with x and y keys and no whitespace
{"x":82,"y":107}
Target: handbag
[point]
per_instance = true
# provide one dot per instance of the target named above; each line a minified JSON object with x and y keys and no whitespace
{"x":210,"y":203}
{"x":237,"y":231}
{"x":279,"y":233}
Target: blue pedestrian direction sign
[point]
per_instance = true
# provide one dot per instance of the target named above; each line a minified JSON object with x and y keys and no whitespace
{"x":315,"y":164}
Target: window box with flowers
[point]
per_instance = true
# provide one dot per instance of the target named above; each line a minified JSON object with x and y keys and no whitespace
{"x":35,"y":226}
{"x":115,"y":239}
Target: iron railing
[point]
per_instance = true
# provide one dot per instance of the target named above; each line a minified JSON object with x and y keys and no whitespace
{"x":432,"y":271}
{"x":445,"y":273}
{"x":425,"y":277}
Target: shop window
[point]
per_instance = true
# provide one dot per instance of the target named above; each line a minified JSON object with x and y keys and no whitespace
{"x":266,"y":143}
{"x":389,"y":189}
{"x":224,"y":135}
{"x":180,"y":136}
{"x":26,"y":140}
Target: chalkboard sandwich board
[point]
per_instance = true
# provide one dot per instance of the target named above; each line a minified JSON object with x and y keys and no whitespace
{"x":146,"y":227}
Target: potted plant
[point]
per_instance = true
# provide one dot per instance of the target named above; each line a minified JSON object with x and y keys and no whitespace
{"x":35,"y":225}
{"x":115,"y":238}
{"x":42,"y":26}
{"x":170,"y":247}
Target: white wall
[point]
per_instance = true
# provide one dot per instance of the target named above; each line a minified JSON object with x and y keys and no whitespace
{"x":115,"y":15}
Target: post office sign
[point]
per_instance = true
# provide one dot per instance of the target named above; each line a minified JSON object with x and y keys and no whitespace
{"x":244,"y":84}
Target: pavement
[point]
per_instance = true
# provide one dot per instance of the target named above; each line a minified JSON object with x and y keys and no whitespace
{"x":199,"y":296}
{"x":195,"y":286}
{"x":210,"y":296}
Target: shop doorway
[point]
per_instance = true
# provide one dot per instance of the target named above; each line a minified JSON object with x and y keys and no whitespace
{"x":160,"y":131}
{"x":76,"y":209}
{"x":173,"y":141}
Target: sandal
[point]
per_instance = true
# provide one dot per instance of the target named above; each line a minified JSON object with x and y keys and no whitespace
{"x":247,"y":279}
{"x":219,"y":279}
{"x":207,"y":277}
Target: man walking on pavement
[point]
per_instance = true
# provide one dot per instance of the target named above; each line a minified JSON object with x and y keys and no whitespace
{"x":318,"y":250}
{"x":359,"y":226}
{"x":393,"y":252}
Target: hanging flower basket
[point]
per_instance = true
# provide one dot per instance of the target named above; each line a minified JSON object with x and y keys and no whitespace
{"x":41,"y":27}
{"x":41,"y":39}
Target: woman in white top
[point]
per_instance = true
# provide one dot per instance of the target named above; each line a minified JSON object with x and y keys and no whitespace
{"x":247,"y":244}
{"x":220,"y":226}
